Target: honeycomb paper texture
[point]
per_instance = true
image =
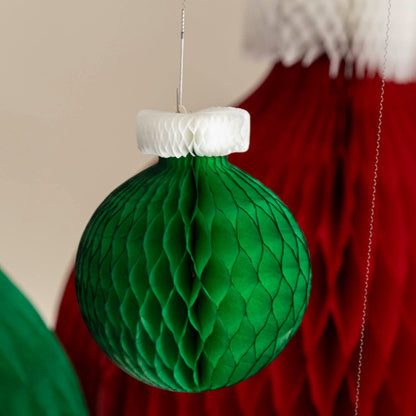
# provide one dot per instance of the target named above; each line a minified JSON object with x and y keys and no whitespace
{"x":36,"y":378}
{"x":217,"y":131}
{"x":192,"y":275}
{"x":291,"y":31}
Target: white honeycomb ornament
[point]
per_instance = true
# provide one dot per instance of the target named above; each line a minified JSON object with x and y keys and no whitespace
{"x":291,"y":31}
{"x":217,"y":131}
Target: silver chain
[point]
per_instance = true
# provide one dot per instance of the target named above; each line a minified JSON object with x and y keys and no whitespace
{"x":372,"y":211}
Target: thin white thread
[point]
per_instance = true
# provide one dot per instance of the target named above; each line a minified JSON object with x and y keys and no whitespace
{"x":372,"y":211}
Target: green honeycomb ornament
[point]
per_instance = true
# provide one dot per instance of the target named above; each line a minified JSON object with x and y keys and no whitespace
{"x":36,"y":377}
{"x":192,"y":275}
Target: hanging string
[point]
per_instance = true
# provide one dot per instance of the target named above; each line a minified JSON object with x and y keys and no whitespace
{"x":179,"y":92}
{"x":372,"y":210}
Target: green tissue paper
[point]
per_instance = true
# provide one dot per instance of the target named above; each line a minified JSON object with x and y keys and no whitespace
{"x":36,"y":378}
{"x":192,"y":275}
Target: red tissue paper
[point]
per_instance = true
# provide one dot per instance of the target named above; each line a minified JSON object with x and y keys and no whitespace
{"x":323,"y":135}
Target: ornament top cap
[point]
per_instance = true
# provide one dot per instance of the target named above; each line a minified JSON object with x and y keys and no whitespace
{"x":216,"y":131}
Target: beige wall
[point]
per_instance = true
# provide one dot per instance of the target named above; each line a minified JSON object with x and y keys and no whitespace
{"x":72,"y":77}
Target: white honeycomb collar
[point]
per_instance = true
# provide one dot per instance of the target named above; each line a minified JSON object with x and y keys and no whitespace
{"x":216,"y":131}
{"x":291,"y":31}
